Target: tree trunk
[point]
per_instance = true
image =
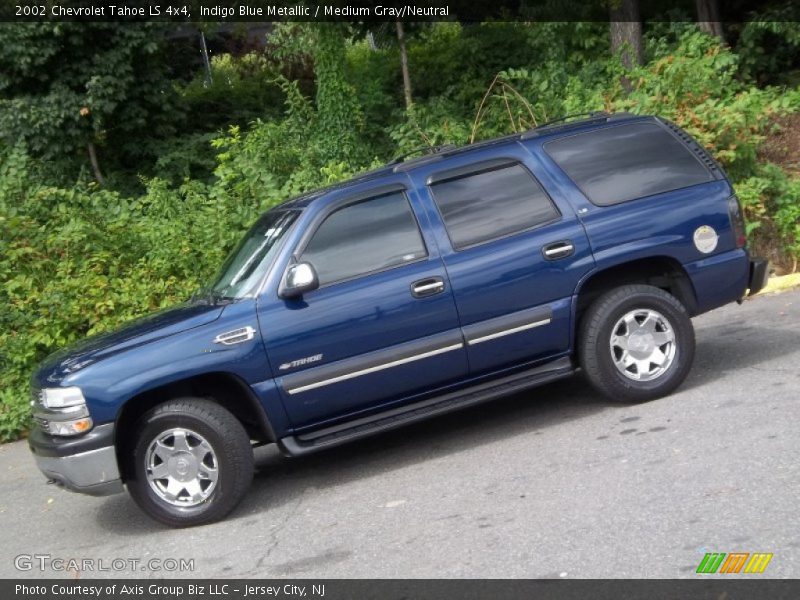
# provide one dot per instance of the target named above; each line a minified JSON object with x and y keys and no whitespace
{"x":401,"y":39}
{"x":98,"y":175}
{"x":708,"y":18}
{"x":626,"y":35}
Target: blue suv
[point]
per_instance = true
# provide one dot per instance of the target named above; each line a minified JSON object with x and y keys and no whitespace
{"x":419,"y":288}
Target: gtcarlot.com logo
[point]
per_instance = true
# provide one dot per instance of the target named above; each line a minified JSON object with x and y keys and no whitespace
{"x":48,"y":562}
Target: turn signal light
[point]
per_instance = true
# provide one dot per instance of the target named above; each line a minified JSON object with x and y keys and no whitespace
{"x":67,"y":428}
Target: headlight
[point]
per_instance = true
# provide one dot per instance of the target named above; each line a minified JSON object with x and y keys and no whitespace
{"x":62,"y":397}
{"x":62,"y":411}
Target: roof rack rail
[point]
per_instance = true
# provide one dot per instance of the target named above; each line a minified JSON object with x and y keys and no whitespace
{"x":427,"y":150}
{"x":596,"y":116}
{"x":590,"y":114}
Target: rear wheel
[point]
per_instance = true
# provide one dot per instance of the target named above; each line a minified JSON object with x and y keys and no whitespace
{"x":636,"y":343}
{"x":191,"y":463}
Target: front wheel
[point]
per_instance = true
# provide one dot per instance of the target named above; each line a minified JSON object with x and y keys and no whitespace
{"x":191,"y":462}
{"x":636,"y":343}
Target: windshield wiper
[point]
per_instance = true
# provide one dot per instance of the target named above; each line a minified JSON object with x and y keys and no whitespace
{"x":211,"y":296}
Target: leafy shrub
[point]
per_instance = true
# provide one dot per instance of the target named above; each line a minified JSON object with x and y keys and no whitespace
{"x":771,"y":201}
{"x":80,"y":261}
{"x":240,"y":89}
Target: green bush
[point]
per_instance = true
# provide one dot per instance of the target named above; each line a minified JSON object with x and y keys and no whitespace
{"x":75,"y":262}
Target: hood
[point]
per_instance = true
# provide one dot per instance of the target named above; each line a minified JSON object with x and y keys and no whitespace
{"x":136,"y":333}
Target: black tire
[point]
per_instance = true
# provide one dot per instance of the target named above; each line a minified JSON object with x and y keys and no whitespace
{"x":232,"y":454}
{"x":596,"y":356}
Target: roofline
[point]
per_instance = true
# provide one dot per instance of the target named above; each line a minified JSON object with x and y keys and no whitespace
{"x":549,"y":129}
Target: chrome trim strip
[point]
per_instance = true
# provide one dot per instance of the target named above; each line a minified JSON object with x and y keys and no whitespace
{"x":505,"y":332}
{"x":368,"y":370}
{"x":506,"y":324}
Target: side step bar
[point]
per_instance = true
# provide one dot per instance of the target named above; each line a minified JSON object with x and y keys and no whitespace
{"x":329,"y":437}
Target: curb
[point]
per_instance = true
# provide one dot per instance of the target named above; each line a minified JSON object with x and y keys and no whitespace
{"x":784,"y":283}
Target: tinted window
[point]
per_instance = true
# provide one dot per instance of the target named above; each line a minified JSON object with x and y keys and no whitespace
{"x":492,"y":204}
{"x":246,"y":266}
{"x":626,"y":162}
{"x":361,"y":238}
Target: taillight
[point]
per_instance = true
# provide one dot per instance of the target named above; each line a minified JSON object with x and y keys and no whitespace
{"x":737,"y":221}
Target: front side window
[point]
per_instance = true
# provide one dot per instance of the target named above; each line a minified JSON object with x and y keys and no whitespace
{"x":626,"y":162}
{"x":492,"y":204}
{"x":365,"y":237}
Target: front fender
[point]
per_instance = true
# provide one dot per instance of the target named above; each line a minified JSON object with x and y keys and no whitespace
{"x":108,"y":384}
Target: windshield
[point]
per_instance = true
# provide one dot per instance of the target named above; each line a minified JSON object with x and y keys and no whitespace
{"x":243,"y":270}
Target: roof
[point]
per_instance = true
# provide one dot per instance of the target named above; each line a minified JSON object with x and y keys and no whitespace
{"x":551,"y":128}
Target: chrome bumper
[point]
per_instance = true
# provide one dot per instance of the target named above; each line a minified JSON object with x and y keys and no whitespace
{"x":79,"y":465}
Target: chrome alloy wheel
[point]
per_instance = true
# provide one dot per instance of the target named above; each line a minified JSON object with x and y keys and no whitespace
{"x":181,"y":467}
{"x":643,"y":344}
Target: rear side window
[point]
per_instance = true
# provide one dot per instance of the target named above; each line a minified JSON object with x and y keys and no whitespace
{"x":626,"y":162}
{"x":492,"y":204}
{"x":366,"y":237}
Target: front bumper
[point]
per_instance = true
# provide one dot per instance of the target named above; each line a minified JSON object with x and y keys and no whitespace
{"x":87,"y":464}
{"x":759,"y":274}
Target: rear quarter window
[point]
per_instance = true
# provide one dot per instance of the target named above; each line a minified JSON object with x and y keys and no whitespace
{"x":626,"y":162}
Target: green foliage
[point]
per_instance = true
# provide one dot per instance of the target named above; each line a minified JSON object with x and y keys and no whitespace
{"x":771,"y":201}
{"x":79,"y":261}
{"x":338,"y":113}
{"x":14,"y":414}
{"x":433,"y":124}
{"x":64,"y":85}
{"x":240,"y":90}
{"x":769,"y":45}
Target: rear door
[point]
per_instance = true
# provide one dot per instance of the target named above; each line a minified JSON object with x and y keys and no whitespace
{"x":382,"y":326}
{"x":514,"y":254}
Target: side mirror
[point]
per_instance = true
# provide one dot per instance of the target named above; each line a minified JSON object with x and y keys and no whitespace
{"x":299,"y":279}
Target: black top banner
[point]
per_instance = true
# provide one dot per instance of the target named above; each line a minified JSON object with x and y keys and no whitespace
{"x":221,"y":11}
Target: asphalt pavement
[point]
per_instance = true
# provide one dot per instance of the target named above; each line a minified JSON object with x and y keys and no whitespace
{"x":555,"y":482}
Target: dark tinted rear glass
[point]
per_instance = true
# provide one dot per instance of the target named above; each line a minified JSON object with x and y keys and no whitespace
{"x":626,"y":162}
{"x":492,"y":204}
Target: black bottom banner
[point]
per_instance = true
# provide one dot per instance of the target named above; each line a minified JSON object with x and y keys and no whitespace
{"x":389,"y":589}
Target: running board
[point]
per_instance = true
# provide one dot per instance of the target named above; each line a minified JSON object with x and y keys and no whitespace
{"x":329,"y":437}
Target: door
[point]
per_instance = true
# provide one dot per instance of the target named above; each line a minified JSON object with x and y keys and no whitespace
{"x":513,"y":254}
{"x":381,"y":327}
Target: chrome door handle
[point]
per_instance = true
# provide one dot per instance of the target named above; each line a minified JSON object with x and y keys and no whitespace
{"x":557,"y":250}
{"x":427,"y":287}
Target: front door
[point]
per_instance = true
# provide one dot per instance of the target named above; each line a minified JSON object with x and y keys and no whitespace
{"x":381,"y":328}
